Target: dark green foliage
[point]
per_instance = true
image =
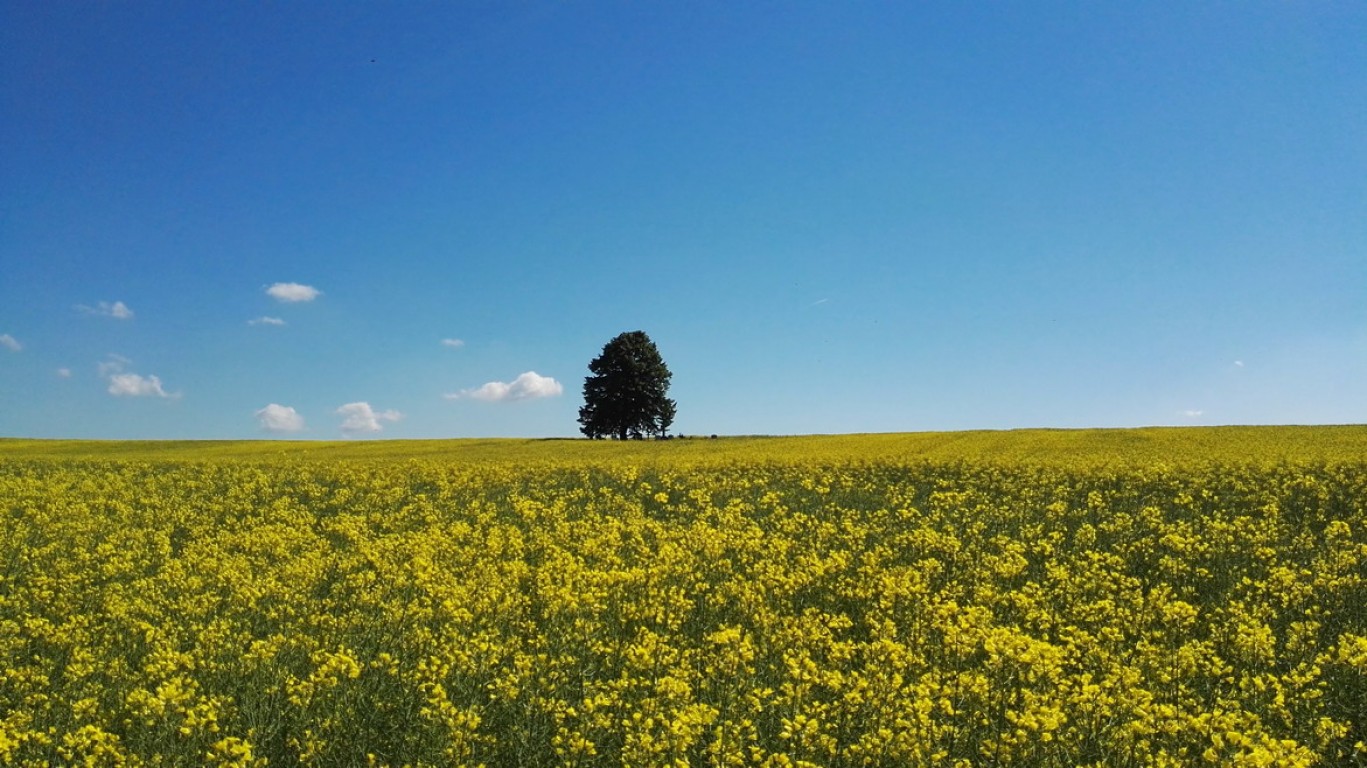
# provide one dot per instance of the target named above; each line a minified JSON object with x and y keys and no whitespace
{"x":625,"y":396}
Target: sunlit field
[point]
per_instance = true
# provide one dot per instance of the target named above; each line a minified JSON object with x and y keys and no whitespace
{"x":1034,"y":598}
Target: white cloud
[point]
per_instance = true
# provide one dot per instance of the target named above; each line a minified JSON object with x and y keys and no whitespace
{"x":453,"y":343}
{"x":115,"y":364}
{"x":279,"y":418}
{"x":64,"y":373}
{"x":1238,"y":363}
{"x":293,"y":292}
{"x":117,"y":310}
{"x":528,"y":386}
{"x":9,"y":342}
{"x":1192,"y":413}
{"x":266,"y":321}
{"x":125,"y":384}
{"x":360,"y":417}
{"x":134,"y":385}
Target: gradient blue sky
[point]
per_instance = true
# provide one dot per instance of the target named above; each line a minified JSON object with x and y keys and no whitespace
{"x":831,"y":217}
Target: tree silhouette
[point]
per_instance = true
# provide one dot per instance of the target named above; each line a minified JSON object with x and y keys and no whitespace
{"x":625,"y":396}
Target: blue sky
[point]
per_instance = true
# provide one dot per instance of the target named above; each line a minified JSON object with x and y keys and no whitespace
{"x":237,"y":220}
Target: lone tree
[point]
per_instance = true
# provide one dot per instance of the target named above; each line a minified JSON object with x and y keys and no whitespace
{"x":625,"y":396}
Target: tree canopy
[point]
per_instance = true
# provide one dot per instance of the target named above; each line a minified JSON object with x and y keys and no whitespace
{"x":626,"y":395}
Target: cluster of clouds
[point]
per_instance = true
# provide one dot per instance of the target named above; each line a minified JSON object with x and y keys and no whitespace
{"x":361,"y":418}
{"x":358,"y":418}
{"x":124,"y":383}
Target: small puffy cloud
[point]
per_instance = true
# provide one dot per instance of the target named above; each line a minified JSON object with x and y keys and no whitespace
{"x":1238,"y":363}
{"x":359,"y":418}
{"x":134,"y":385}
{"x":528,"y":386}
{"x":123,"y":383}
{"x":117,"y":310}
{"x":63,"y":373}
{"x":266,"y":321}
{"x":9,"y":342}
{"x":452,"y":343}
{"x":279,"y":418}
{"x":291,"y":293}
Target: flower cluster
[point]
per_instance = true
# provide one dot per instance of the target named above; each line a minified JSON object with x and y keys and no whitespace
{"x":614,"y":608}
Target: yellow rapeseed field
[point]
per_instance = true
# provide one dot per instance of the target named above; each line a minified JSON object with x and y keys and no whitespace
{"x":1107,"y":598}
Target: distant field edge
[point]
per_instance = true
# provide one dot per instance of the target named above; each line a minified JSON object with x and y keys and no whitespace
{"x":1239,"y":444}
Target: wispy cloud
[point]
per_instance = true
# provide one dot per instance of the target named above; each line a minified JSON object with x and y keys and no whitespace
{"x":9,"y":342}
{"x":117,"y":310}
{"x":453,"y":343}
{"x":266,"y":321}
{"x":528,"y":386}
{"x":135,"y":385}
{"x":292,"y":293}
{"x":819,"y":302}
{"x":1192,"y":413}
{"x":360,"y":418}
{"x":112,"y":364}
{"x":279,"y":418}
{"x":63,"y":373}
{"x":1238,"y":363}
